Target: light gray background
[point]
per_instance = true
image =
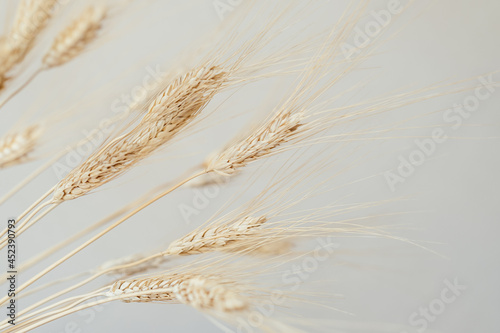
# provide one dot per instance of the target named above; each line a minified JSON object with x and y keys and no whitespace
{"x":453,"y":196}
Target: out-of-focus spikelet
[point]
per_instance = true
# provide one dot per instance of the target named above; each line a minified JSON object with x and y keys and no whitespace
{"x":76,"y":37}
{"x":32,"y":17}
{"x":16,"y":147}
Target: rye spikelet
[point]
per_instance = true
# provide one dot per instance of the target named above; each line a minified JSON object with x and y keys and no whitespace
{"x":203,"y":293}
{"x":16,"y":147}
{"x":215,"y":237}
{"x":283,"y":127}
{"x":74,"y":39}
{"x":170,"y":112}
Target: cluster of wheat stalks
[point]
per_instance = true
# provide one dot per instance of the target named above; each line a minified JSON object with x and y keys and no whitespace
{"x":212,"y":280}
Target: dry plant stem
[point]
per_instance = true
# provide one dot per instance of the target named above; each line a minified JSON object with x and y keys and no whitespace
{"x":32,"y":261}
{"x":21,"y":87}
{"x":70,"y":240}
{"x":30,"y":208}
{"x":36,"y":203}
{"x":30,"y":221}
{"x":36,"y":173}
{"x":60,"y":312}
{"x":72,"y":308}
{"x":51,"y":284}
{"x":99,"y":235}
{"x":26,"y":321}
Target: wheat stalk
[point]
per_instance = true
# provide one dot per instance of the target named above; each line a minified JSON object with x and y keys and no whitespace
{"x":75,"y":38}
{"x":16,"y":147}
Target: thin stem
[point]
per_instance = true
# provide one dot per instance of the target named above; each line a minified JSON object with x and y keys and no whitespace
{"x":88,"y":230}
{"x":99,"y":235}
{"x":35,"y":174}
{"x":71,"y":309}
{"x":81,"y":298}
{"x":25,"y":320}
{"x":30,"y":208}
{"x":68,"y":241}
{"x":24,"y":85}
{"x":29,"y":221}
{"x":84,"y":282}
{"x":50,"y":284}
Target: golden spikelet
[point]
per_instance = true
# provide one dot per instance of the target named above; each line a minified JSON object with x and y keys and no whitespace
{"x":204,"y":293}
{"x":16,"y":147}
{"x":170,"y":112}
{"x":283,"y":127}
{"x":215,"y":237}
{"x":74,"y":39}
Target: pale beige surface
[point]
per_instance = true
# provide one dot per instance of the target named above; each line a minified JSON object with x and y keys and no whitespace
{"x":456,"y":188}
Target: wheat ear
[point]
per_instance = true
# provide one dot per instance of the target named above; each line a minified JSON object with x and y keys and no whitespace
{"x":215,"y":237}
{"x":168,"y":114}
{"x":15,"y":148}
{"x":201,"y":292}
{"x":76,"y":37}
{"x":171,"y":111}
{"x":68,"y":44}
{"x":32,"y":17}
{"x":282,"y":128}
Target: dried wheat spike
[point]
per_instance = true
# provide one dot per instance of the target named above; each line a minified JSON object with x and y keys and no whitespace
{"x":15,"y":147}
{"x":215,"y":238}
{"x":73,"y":39}
{"x":32,"y":17}
{"x":170,"y":112}
{"x":201,"y":292}
{"x":278,"y":130}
